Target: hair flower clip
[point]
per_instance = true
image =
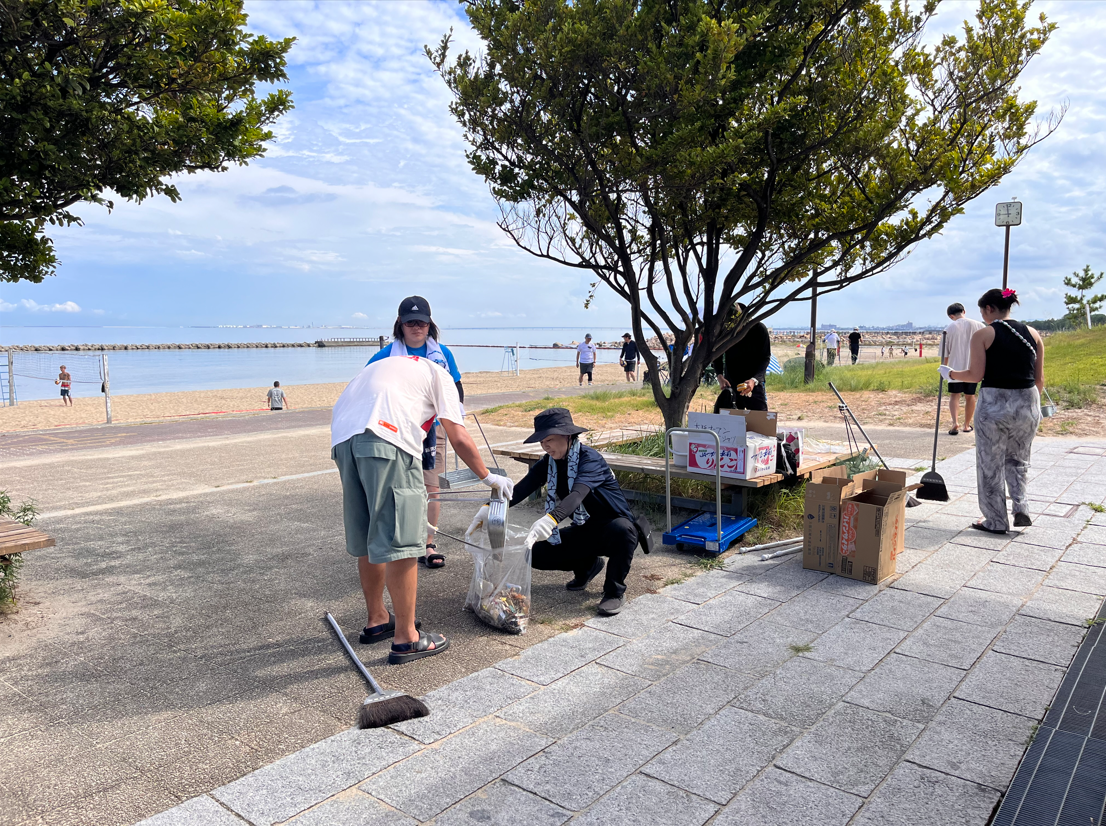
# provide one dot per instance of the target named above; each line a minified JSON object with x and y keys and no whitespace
{"x":1009,"y":293}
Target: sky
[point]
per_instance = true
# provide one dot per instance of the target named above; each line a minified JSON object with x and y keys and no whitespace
{"x":365,"y":196}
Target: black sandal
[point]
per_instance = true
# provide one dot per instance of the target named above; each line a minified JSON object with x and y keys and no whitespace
{"x":383,"y":632}
{"x":979,"y":527}
{"x":434,"y":560}
{"x":408,"y":651}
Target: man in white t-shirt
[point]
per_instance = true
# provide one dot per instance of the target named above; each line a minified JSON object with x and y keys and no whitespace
{"x":831,"y":341}
{"x":376,"y":433}
{"x":585,"y":359}
{"x":957,"y":355}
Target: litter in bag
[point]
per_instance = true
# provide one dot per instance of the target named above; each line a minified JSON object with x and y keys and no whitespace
{"x":499,"y":593}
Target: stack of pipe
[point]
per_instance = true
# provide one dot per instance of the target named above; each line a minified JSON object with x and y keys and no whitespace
{"x":784,"y":547}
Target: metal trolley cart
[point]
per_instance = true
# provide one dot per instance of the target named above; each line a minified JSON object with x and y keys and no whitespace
{"x":712,"y":532}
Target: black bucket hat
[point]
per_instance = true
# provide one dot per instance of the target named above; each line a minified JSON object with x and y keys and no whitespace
{"x":556,"y":421}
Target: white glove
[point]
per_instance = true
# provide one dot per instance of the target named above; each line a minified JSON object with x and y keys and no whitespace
{"x":503,"y":487}
{"x":478,"y":522}
{"x":944,"y":370}
{"x":540,"y":531}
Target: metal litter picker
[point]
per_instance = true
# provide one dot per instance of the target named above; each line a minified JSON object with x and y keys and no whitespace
{"x":712,"y":532}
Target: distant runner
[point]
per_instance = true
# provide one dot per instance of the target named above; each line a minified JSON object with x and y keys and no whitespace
{"x":277,"y":399}
{"x":65,"y":380}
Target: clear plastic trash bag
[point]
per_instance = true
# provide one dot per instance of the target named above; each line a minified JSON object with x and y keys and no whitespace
{"x":499,"y":593}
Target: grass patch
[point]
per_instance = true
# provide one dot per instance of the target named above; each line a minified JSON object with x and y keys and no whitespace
{"x":12,"y":564}
{"x":1097,"y":508}
{"x":800,"y":648}
{"x":710,"y":563}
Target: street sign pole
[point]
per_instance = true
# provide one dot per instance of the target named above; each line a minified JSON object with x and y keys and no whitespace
{"x":1008,"y":214}
{"x":1006,"y":258}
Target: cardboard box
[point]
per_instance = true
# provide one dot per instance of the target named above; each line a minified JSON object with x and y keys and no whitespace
{"x":748,"y":440}
{"x":855,"y":528}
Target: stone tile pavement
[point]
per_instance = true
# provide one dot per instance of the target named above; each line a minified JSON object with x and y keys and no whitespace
{"x":759,"y":693}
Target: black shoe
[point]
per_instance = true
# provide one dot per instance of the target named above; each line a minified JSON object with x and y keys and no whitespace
{"x":611,"y":606}
{"x":1022,"y":520}
{"x":579,"y":584}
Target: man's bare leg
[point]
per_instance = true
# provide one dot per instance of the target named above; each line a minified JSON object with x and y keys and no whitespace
{"x":372,"y":585}
{"x":954,"y":409}
{"x":969,"y":410}
{"x":402,"y":577}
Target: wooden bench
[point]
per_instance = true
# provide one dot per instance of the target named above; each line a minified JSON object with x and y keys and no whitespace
{"x":654,"y":466}
{"x":15,"y":538}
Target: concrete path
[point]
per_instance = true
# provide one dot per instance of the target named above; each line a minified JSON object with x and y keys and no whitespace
{"x":756,"y":694}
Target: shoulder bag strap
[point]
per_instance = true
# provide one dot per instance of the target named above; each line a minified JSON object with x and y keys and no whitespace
{"x":1028,"y":344}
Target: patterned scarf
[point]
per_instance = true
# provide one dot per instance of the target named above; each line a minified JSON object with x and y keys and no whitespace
{"x":433,"y":351}
{"x":579,"y":516}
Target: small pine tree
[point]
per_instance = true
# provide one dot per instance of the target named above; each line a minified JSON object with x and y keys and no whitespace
{"x":1080,"y":307}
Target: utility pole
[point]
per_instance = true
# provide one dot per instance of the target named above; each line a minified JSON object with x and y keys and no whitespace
{"x":1008,"y":214}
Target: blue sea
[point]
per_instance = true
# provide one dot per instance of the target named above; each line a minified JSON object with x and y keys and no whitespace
{"x":160,"y":371}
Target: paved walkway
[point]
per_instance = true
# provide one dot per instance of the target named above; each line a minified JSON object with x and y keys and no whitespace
{"x":757,"y":694}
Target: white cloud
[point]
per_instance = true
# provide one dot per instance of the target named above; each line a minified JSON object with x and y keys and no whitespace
{"x":35,"y":307}
{"x":360,"y":316}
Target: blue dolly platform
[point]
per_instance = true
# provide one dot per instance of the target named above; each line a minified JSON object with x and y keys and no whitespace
{"x":712,"y":532}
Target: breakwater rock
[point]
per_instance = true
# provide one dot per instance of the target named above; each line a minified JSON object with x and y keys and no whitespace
{"x":99,"y":348}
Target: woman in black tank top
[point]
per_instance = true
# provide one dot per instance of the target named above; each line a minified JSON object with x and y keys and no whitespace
{"x":1008,"y":357}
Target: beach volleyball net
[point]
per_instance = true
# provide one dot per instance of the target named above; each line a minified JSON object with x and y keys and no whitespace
{"x":86,"y":371}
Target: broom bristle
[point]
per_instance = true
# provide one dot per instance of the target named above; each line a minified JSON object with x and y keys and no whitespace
{"x":379,"y":713}
{"x":933,"y":488}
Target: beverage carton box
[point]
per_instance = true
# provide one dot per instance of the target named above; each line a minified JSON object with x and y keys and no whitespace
{"x":748,"y":444}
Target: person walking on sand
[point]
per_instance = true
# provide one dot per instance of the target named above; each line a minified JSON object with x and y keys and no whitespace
{"x":66,"y":382}
{"x":415,"y":334}
{"x":585,"y":359}
{"x":628,"y":357}
{"x":854,"y":343}
{"x":956,"y":353}
{"x":376,"y":436}
{"x":1009,"y":358}
{"x":278,"y":399}
{"x":831,"y":341}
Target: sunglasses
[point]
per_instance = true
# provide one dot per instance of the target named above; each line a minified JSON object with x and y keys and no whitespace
{"x":414,"y":324}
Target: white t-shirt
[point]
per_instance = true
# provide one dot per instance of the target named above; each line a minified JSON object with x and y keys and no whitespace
{"x":587,"y":352}
{"x":831,"y":340}
{"x":958,"y":337}
{"x":394,"y":398}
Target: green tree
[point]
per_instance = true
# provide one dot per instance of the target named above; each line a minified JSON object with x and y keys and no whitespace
{"x":696,"y":153}
{"x":1080,"y":307}
{"x":103,"y":97}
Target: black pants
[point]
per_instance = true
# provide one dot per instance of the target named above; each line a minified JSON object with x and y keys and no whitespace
{"x":855,"y":355}
{"x":581,"y":545}
{"x":733,"y":400}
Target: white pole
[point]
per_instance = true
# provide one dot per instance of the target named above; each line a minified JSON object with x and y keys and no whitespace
{"x":11,"y":379}
{"x":517,"y":352}
{"x":107,"y":387}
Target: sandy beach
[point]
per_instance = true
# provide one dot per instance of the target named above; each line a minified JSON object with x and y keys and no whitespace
{"x":37,"y":415}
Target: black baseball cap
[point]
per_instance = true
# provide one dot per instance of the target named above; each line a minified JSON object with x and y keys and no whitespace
{"x":414,"y":308}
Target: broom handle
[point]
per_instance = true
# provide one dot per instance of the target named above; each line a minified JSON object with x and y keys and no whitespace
{"x":940,"y":390}
{"x":356,"y":660}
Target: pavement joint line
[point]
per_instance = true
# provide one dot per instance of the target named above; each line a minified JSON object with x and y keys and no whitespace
{"x":182,"y":494}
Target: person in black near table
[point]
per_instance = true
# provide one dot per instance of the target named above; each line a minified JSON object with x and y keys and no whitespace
{"x":741,"y":368}
{"x":628,"y":357}
{"x":854,"y":343}
{"x":581,"y":487}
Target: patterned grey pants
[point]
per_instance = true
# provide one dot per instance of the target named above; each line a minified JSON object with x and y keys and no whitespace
{"x":1005,"y":423}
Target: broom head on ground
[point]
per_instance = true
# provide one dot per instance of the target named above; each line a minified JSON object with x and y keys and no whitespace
{"x":377,"y":712}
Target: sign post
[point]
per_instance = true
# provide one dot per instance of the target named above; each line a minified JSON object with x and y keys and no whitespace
{"x":106,"y":387}
{"x":1008,"y":214}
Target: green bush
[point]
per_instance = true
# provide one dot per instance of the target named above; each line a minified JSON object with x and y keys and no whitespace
{"x":11,"y":564}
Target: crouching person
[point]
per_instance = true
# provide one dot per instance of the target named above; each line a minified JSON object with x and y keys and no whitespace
{"x":581,"y":488}
{"x":376,"y":435}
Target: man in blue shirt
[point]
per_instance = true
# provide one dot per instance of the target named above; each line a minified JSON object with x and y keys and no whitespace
{"x":416,"y":334}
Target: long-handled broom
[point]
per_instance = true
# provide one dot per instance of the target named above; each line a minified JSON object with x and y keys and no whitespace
{"x":933,"y":486}
{"x":381,"y":708}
